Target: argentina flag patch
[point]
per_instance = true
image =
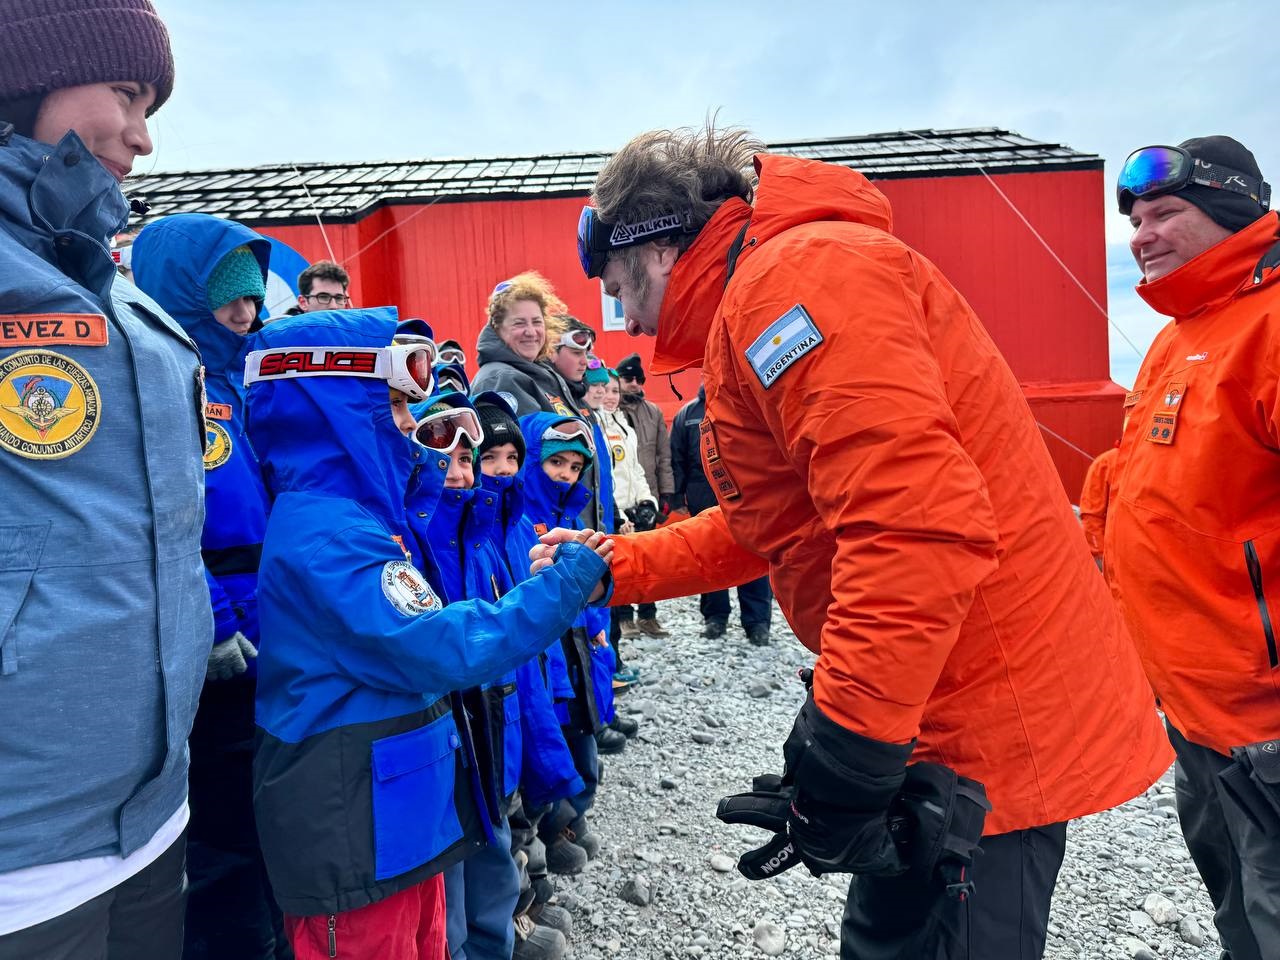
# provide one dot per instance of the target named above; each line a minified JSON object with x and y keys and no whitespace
{"x":786,"y":340}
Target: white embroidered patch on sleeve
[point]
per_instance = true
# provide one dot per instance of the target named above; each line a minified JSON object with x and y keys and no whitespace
{"x":785,"y":341}
{"x":407,"y":590}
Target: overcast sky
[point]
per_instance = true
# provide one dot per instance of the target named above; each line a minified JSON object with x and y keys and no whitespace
{"x":273,"y":81}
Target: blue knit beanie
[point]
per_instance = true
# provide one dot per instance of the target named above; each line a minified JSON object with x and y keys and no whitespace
{"x":238,"y":274}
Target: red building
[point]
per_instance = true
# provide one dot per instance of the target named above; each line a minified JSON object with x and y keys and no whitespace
{"x":1015,"y":224}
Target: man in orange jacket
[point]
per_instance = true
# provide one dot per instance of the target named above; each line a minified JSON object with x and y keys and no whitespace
{"x":1193,"y":533}
{"x":1093,"y":501}
{"x":872,"y":452}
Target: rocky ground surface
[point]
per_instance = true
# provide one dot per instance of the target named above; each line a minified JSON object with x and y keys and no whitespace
{"x":713,"y":714}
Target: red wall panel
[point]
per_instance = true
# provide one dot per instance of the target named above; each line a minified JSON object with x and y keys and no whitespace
{"x":440,"y":261}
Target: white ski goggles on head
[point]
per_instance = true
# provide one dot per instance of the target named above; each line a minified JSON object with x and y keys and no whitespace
{"x":404,"y":366}
{"x":452,"y":355}
{"x":576,"y":340}
{"x":570,"y":430}
{"x":443,"y":430}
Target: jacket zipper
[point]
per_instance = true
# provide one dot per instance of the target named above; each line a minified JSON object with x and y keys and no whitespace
{"x":1255,"y":577}
{"x":333,"y":935}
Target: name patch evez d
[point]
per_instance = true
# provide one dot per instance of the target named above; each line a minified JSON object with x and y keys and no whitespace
{"x":785,"y":341}
{"x":53,"y":329}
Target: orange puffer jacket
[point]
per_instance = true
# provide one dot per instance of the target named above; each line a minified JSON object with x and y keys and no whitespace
{"x":1193,"y":531}
{"x":874,"y":454}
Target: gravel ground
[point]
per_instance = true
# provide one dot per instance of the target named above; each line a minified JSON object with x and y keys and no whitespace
{"x":715,"y":713}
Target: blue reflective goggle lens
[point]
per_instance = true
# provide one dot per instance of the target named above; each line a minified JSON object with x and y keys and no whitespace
{"x":591,"y":260}
{"x":1153,"y":170}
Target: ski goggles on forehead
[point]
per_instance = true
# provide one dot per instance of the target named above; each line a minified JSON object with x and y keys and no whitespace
{"x":570,"y":430}
{"x":404,"y":366}
{"x":577,"y":340}
{"x":598,"y":238}
{"x":451,"y":378}
{"x":452,"y":355}
{"x":1158,"y":170}
{"x":443,"y":430}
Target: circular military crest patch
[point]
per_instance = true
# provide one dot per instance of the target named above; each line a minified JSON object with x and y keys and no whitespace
{"x":49,"y":405}
{"x":406,"y":589}
{"x":217,"y":445}
{"x":619,"y":452}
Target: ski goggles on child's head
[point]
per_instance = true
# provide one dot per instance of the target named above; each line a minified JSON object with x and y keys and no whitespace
{"x":404,"y":366}
{"x":445,"y":429}
{"x":577,"y":339}
{"x":450,"y":377}
{"x":452,"y":355}
{"x":597,"y":239}
{"x":568,"y":431}
{"x":1157,"y":170}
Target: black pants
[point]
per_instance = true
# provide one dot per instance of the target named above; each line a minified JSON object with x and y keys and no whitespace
{"x":647,"y":611}
{"x":1238,"y":861}
{"x":1007,"y":917}
{"x":755,"y":604}
{"x":140,"y":919}
{"x":230,"y":909}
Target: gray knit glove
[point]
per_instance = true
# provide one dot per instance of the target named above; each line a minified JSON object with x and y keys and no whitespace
{"x":228,"y":658}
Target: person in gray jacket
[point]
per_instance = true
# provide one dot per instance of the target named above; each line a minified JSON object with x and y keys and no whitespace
{"x":105,"y":621}
{"x":513,"y":345}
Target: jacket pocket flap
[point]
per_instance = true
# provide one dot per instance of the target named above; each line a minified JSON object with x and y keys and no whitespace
{"x":406,"y":752}
{"x":22,"y":545}
{"x":1264,"y":758}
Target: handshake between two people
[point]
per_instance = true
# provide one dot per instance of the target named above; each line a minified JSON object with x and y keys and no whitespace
{"x":543,"y":554}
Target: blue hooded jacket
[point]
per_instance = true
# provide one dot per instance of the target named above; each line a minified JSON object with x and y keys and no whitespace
{"x":104,"y":613}
{"x":461,"y":531}
{"x":550,"y":503}
{"x":356,"y":788}
{"x":173,"y":259}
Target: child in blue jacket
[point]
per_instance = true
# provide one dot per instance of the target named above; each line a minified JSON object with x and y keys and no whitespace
{"x":363,"y":793}
{"x":559,"y":449}
{"x":209,"y":274}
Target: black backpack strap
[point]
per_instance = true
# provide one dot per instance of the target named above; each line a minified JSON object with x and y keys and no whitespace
{"x":735,"y":248}
{"x":1270,"y":260}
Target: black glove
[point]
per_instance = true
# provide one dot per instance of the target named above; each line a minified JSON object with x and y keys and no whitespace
{"x":665,"y":504}
{"x":830,"y":807}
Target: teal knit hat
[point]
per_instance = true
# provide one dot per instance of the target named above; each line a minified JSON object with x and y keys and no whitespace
{"x":553,"y":445}
{"x":238,"y":274}
{"x":598,"y":374}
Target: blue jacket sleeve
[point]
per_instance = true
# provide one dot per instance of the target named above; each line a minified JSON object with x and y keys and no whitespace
{"x":548,"y":772}
{"x":225,"y":622}
{"x":435,"y":648}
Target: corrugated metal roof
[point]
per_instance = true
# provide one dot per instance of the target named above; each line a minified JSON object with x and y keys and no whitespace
{"x":283,"y":193}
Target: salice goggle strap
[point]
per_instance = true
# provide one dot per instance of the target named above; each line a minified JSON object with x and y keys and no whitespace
{"x":404,"y":366}
{"x":597,"y":238}
{"x":577,"y":339}
{"x":443,"y":430}
{"x":568,"y":431}
{"x":1157,"y":170}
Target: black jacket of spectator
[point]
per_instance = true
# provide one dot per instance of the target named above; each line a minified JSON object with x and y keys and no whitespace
{"x":692,"y":489}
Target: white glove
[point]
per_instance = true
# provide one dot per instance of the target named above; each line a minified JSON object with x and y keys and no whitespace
{"x":227,"y":659}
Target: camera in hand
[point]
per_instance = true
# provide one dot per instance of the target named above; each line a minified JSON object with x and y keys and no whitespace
{"x":644,"y":515}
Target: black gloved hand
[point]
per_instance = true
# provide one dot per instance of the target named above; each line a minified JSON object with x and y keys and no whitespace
{"x":830,"y":807}
{"x":665,"y":504}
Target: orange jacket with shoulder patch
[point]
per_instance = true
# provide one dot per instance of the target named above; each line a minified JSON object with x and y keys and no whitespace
{"x":1193,"y":531}
{"x":872,"y":451}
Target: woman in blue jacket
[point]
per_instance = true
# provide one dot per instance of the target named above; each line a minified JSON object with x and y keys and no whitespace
{"x":357,"y":790}
{"x":104,"y":615}
{"x":210,"y":275}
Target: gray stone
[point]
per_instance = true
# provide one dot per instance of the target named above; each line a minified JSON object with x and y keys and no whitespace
{"x":1160,"y":909}
{"x":758,"y":691}
{"x":701,"y":736}
{"x":1136,"y":949}
{"x":636,"y":891}
{"x":712,"y":721}
{"x":667,"y":783}
{"x":1189,"y":930}
{"x":721,"y":863}
{"x":770,"y":938}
